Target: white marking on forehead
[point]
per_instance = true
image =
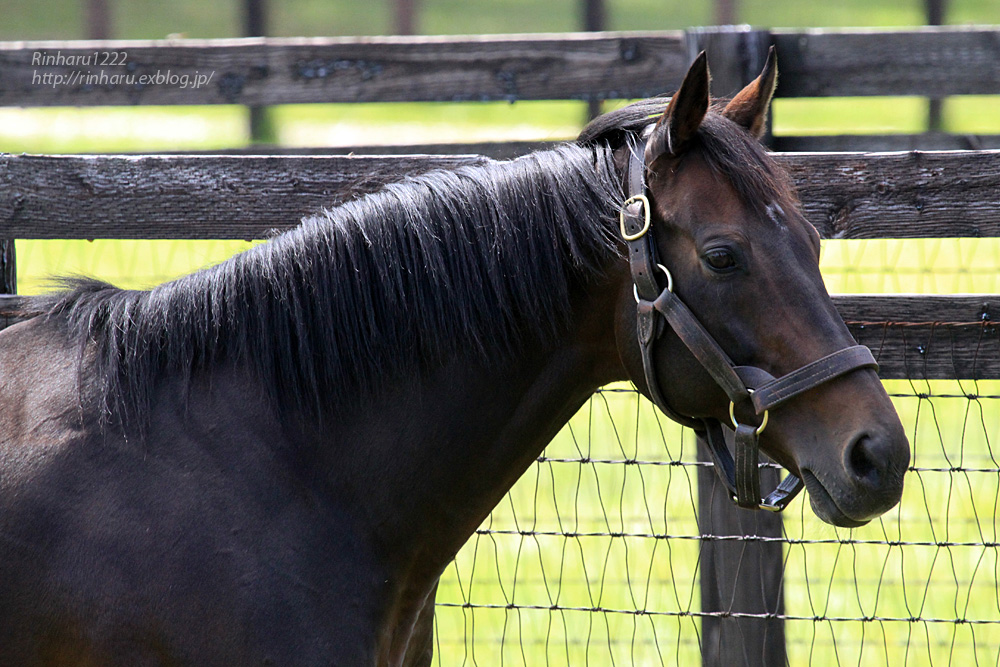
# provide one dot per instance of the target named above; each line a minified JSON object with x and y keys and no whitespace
{"x":776,"y":214}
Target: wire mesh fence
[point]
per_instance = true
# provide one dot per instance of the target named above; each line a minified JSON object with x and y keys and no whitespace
{"x":595,"y":556}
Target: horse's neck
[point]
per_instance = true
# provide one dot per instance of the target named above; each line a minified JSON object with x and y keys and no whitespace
{"x":449,"y":444}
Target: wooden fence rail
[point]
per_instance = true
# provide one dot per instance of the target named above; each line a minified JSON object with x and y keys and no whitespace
{"x":846,"y":195}
{"x":895,"y":195}
{"x":383,"y":69}
{"x":930,"y":61}
{"x":913,"y":337}
{"x":940,"y":61}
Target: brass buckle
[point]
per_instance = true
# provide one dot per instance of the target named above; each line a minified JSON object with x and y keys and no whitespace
{"x":621,"y":217}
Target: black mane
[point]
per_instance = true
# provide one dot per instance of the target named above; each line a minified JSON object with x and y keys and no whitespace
{"x":479,"y":257}
{"x":482,"y":257}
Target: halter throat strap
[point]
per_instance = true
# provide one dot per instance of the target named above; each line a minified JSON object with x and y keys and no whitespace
{"x":659,"y":306}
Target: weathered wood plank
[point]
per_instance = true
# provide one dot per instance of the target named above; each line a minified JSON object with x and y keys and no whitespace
{"x":933,"y":351}
{"x":899,"y":195}
{"x":736,"y":55}
{"x":177,"y":197}
{"x":932,"y":61}
{"x":928,"y":337}
{"x":846,"y":195}
{"x":883,"y":143}
{"x":499,"y":150}
{"x":919,"y":308}
{"x":261,"y":71}
{"x":914,"y":337}
{"x":505,"y":150}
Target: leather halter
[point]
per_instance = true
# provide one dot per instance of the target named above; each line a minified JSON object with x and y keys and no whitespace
{"x":740,"y":383}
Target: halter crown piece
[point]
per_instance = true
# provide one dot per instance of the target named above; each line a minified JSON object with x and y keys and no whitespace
{"x":741,"y":383}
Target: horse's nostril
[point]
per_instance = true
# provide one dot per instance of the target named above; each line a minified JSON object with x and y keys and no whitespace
{"x":864,"y":461}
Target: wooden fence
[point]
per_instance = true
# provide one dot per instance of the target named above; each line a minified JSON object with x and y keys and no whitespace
{"x":933,"y":62}
{"x":846,"y":195}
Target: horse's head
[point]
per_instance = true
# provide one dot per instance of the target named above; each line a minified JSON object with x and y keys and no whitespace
{"x":727,"y":230}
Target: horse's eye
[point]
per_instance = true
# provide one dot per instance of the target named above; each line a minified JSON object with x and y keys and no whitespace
{"x":720,"y":260}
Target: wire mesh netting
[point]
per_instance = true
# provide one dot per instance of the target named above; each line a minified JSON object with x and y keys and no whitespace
{"x":594,"y":557}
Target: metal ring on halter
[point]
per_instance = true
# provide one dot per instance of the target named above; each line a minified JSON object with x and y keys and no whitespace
{"x":670,"y":283}
{"x":732,"y":415}
{"x":645,"y":210}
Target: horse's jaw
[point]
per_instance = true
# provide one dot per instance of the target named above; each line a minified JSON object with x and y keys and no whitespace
{"x":825,"y":506}
{"x":845,"y":441}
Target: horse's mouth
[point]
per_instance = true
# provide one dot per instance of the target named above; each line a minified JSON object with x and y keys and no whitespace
{"x":823,"y":504}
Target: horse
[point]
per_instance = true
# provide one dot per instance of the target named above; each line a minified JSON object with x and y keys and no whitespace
{"x":272,"y":460}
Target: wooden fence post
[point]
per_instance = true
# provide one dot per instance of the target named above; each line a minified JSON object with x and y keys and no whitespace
{"x":725,"y":12}
{"x":737,"y":575}
{"x":405,"y":17}
{"x":8,"y":267}
{"x":594,"y":20}
{"x":255,"y":19}
{"x":98,"y":19}
{"x":935,"y":16}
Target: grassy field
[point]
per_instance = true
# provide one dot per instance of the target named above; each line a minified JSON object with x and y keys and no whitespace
{"x":497,"y":600}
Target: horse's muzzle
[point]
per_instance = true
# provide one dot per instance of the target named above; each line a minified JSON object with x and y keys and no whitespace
{"x":869,"y":481}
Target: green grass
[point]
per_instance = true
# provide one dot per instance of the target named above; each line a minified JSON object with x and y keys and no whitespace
{"x":57,"y":130}
{"x":970,"y":114}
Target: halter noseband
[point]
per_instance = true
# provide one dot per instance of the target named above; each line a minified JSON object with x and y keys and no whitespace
{"x":740,"y":383}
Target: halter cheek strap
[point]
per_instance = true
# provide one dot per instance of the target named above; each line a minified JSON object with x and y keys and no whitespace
{"x":656,"y":305}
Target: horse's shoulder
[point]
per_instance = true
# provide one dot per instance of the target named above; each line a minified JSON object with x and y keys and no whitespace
{"x":39,"y":384}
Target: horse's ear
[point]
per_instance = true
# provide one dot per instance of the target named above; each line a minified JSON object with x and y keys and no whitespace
{"x":683,"y":114}
{"x":749,"y":108}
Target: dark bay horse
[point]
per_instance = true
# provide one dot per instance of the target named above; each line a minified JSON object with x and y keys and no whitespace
{"x":273,"y":460}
